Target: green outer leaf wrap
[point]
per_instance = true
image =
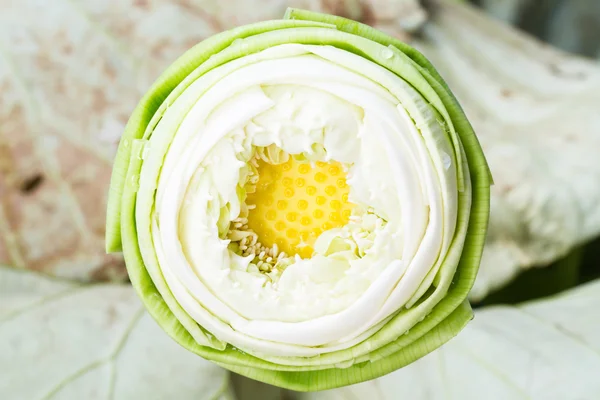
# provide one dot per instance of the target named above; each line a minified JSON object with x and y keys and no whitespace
{"x":445,"y":320}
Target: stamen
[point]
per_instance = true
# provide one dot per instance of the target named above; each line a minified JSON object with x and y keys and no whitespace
{"x":288,"y":206}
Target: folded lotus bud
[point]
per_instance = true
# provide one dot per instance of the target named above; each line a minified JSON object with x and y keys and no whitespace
{"x":303,"y":202}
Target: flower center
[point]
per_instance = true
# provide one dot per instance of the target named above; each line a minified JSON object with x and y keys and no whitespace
{"x":295,"y":203}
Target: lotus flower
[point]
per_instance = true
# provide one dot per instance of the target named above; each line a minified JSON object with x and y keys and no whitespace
{"x":303,"y":202}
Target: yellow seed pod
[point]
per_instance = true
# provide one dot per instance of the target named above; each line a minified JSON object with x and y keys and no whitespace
{"x":295,"y":202}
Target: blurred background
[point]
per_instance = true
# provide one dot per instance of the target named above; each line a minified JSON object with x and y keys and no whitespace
{"x":71,"y":71}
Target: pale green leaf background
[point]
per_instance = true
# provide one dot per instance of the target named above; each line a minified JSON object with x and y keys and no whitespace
{"x":547,"y":350}
{"x":63,"y":107}
{"x":65,"y":341}
{"x":535,"y":111}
